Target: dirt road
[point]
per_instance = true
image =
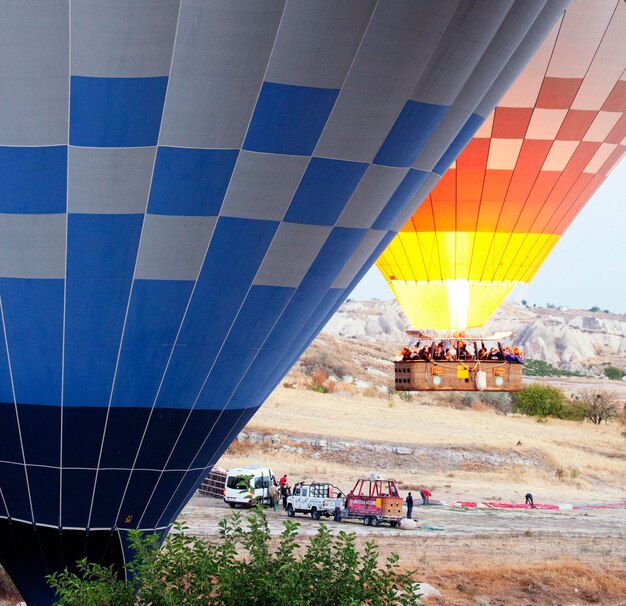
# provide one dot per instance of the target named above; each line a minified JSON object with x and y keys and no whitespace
{"x":203,"y":513}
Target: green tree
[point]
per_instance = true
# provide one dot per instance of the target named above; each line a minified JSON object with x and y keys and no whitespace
{"x":540,"y":401}
{"x":613,"y":373}
{"x":242,"y":568}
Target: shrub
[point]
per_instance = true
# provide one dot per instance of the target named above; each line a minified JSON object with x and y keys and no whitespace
{"x":322,"y":360}
{"x":594,"y":309}
{"x":540,"y":401}
{"x":613,"y":373}
{"x":242,"y":569}
{"x":597,"y":406}
{"x":318,"y":381}
{"x":406,"y":396}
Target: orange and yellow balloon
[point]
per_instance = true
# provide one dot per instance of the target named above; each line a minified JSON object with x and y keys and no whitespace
{"x":502,"y":206}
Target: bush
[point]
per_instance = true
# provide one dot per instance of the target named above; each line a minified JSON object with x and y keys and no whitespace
{"x":540,"y":401}
{"x":613,"y":373}
{"x":318,"y":381}
{"x":322,"y":360}
{"x":406,"y":396}
{"x":597,"y":406}
{"x":241,"y":569}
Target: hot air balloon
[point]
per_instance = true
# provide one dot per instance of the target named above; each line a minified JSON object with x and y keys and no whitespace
{"x":501,"y":208}
{"x":189,"y":190}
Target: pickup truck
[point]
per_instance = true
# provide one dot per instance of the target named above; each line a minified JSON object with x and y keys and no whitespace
{"x":316,"y":498}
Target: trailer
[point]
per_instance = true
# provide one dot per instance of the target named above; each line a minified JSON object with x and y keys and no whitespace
{"x":375,"y":500}
{"x":214,"y":483}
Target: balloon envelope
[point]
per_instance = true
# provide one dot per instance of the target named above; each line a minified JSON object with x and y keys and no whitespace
{"x":503,"y":205}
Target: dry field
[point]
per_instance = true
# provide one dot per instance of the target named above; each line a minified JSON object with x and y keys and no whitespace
{"x":483,"y":557}
{"x":561,"y":461}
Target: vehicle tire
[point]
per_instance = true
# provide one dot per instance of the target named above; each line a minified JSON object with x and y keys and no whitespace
{"x":375,"y":521}
{"x":326,"y":514}
{"x":393,"y":524}
{"x":232,"y":505}
{"x":315,"y":514}
{"x":290,"y":511}
{"x":367,"y":520}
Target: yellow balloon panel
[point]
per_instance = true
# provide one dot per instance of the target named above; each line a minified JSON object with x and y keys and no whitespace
{"x":450,"y":304}
{"x":438,"y":256}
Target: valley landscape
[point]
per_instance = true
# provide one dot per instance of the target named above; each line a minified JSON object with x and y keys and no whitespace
{"x":461,"y":449}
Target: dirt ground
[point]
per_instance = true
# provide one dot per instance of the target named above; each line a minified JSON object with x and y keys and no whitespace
{"x":479,"y":557}
{"x":558,"y":461}
{"x":487,"y":557}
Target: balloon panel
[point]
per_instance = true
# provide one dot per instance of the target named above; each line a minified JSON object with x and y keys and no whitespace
{"x":440,"y":305}
{"x":501,"y":208}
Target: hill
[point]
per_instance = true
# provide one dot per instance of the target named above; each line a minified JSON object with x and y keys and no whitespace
{"x":572,"y":340}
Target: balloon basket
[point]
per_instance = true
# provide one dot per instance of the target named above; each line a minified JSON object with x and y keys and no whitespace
{"x":419,"y":375}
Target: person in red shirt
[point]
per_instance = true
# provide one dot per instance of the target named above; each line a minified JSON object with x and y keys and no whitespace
{"x":425,"y":494}
{"x":282,"y":480}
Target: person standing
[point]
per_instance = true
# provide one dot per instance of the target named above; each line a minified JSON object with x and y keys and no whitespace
{"x":529,"y":500}
{"x":284,"y":491}
{"x":409,"y":506}
{"x":425,"y":494}
{"x":274,"y":496}
{"x":338,"y":508}
{"x":282,"y":481}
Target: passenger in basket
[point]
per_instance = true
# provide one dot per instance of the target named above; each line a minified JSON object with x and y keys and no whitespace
{"x":511,"y":356}
{"x":424,"y":354}
{"x":405,"y":354}
{"x":440,"y":354}
{"x":482,"y":352}
{"x":450,"y":355}
{"x":463,"y":353}
{"x":494,"y":354}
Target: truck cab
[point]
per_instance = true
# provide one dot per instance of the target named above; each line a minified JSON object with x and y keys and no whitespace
{"x":315,"y":498}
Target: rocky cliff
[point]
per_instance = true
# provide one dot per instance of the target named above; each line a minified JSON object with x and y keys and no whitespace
{"x":569,"y":339}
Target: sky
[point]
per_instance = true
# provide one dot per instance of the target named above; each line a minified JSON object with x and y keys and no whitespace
{"x":586,"y":268}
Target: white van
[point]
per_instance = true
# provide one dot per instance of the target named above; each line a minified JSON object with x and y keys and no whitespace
{"x":248,"y":486}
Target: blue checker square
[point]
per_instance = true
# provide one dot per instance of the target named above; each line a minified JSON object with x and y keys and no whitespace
{"x":474,"y":122}
{"x":410,"y":133}
{"x":33,"y":179}
{"x":324,"y":191}
{"x":289,"y":119}
{"x":116,"y":112}
{"x":190,"y":182}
